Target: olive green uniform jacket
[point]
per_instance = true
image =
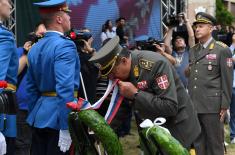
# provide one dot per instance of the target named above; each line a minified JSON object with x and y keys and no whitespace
{"x":210,"y":77}
{"x":162,"y":95}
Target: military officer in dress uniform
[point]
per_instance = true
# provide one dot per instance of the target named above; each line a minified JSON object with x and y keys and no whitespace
{"x":210,"y":84}
{"x":52,"y":81}
{"x":154,"y":87}
{"x":8,"y":73}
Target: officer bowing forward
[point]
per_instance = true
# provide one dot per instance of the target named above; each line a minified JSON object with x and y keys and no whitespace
{"x":153,"y":86}
{"x":53,"y":80}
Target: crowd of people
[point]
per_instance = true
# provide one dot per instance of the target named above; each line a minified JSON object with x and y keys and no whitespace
{"x":187,"y":78}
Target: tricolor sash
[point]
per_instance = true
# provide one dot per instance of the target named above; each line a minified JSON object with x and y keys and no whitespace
{"x":114,"y":104}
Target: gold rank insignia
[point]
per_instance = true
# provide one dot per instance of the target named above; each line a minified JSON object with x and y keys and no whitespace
{"x":146,"y":64}
{"x":136,"y":71}
{"x":221,"y":44}
{"x":211,"y":46}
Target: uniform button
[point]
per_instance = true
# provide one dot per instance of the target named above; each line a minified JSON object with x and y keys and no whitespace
{"x":210,"y":62}
{"x":195,"y":78}
{"x":216,"y":94}
{"x":196,"y":71}
{"x":197,"y":63}
{"x":195,"y":87}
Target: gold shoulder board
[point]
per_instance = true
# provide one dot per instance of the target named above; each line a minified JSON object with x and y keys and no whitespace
{"x":221,"y":44}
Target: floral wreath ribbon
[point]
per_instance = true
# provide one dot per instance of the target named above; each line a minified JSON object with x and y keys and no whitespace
{"x":114,"y":104}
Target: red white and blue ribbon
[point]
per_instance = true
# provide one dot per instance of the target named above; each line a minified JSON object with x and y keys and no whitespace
{"x":114,"y":105}
{"x":111,"y":86}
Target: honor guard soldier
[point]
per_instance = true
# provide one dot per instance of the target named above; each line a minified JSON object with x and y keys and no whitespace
{"x":210,"y":85}
{"x":53,"y":80}
{"x":153,"y":86}
{"x":8,"y":74}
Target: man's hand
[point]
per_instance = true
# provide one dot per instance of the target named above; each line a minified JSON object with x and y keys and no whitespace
{"x":222,"y":114}
{"x":160,"y":49}
{"x":127,"y":89}
{"x":87,"y":46}
{"x":27,"y":45}
{"x":90,"y":40}
{"x":64,"y":140}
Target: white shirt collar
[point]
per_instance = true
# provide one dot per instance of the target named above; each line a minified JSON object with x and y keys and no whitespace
{"x":207,"y":43}
{"x":55,"y":32}
{"x":232,"y":47}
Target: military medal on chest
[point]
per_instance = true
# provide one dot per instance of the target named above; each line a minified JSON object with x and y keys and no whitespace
{"x":210,"y":67}
{"x":210,"y":58}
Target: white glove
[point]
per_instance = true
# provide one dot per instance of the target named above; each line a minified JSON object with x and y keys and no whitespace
{"x":3,"y":145}
{"x":64,"y":140}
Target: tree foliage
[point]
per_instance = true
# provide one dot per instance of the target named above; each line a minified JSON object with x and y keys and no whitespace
{"x":223,"y":16}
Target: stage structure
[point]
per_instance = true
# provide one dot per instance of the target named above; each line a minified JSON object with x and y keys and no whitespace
{"x":11,"y":22}
{"x":168,"y":7}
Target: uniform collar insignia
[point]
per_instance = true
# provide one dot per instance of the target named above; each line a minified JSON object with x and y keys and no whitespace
{"x":136,"y":71}
{"x":212,"y":45}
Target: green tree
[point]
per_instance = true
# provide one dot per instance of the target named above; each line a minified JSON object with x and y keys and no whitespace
{"x":223,"y":16}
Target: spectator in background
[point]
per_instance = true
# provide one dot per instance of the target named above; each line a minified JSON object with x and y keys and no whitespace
{"x":230,"y":35}
{"x":220,"y":33}
{"x":180,"y":50}
{"x":162,"y":49}
{"x":232,"y":105}
{"x":121,"y":33}
{"x":216,"y":31}
{"x":24,"y":137}
{"x":115,"y":27}
{"x":22,"y":51}
{"x":89,"y":71}
{"x":107,"y":31}
{"x":151,"y":44}
{"x":181,"y":29}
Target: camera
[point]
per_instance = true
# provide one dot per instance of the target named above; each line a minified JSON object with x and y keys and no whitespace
{"x":33,"y":37}
{"x":174,"y":20}
{"x":78,"y":36}
{"x":149,"y":44}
